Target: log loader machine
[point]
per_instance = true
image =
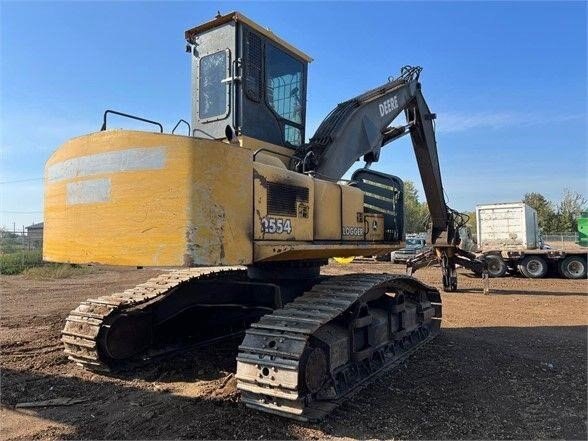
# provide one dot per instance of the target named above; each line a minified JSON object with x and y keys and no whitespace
{"x":251,"y":212}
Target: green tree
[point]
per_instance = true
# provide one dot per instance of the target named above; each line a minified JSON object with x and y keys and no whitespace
{"x":569,"y":209}
{"x":9,"y":242}
{"x":416,"y":213}
{"x":472,"y":222}
{"x":546,"y":216}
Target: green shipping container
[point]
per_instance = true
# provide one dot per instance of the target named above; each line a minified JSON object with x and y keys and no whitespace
{"x":583,"y":229}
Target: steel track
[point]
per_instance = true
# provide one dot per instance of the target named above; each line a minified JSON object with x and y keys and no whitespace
{"x":86,"y":324}
{"x":275,"y":350}
{"x":271,"y":358}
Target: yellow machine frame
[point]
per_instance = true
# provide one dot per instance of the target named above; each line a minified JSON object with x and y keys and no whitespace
{"x":147,"y":199}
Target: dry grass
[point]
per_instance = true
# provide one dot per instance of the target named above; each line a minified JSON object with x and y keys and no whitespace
{"x":57,"y":271}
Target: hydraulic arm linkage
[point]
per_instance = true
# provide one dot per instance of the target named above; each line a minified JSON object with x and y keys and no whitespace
{"x":449,"y":256}
{"x":360,"y":127}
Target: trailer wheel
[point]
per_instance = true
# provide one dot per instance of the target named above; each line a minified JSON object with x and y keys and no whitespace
{"x":533,"y":267}
{"x":573,"y":267}
{"x":496,"y":266}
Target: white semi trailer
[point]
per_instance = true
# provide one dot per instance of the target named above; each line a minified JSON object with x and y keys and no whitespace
{"x":509,"y":238}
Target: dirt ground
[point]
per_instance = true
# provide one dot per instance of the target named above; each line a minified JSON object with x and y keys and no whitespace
{"x":508,"y":365}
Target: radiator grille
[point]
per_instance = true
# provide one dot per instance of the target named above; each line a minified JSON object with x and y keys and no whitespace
{"x":282,"y":199}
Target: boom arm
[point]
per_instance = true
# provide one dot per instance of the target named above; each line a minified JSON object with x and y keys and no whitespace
{"x":361,"y":127}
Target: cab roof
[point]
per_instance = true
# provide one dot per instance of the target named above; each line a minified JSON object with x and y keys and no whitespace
{"x":238,"y":17}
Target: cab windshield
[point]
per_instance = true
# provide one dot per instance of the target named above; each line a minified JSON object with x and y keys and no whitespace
{"x":284,"y":91}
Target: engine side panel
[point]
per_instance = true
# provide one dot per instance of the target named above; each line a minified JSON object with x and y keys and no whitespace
{"x":283,"y":204}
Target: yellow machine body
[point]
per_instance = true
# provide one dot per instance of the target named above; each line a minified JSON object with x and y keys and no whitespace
{"x":259,"y":211}
{"x":125,"y":197}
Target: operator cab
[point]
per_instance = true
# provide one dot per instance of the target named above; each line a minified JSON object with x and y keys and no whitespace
{"x":246,"y":81}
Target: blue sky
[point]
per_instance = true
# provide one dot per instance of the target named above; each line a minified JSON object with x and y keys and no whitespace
{"x":507,"y":81}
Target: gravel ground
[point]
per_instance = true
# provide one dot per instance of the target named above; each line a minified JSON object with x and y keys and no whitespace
{"x":511,"y":365}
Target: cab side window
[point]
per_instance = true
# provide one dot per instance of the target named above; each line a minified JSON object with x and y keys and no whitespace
{"x":213,"y":102}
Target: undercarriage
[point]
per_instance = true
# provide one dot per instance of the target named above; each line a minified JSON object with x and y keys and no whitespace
{"x":310,"y":340}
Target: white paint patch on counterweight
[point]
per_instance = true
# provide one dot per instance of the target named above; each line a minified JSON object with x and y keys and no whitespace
{"x":141,"y":158}
{"x":88,"y":192}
